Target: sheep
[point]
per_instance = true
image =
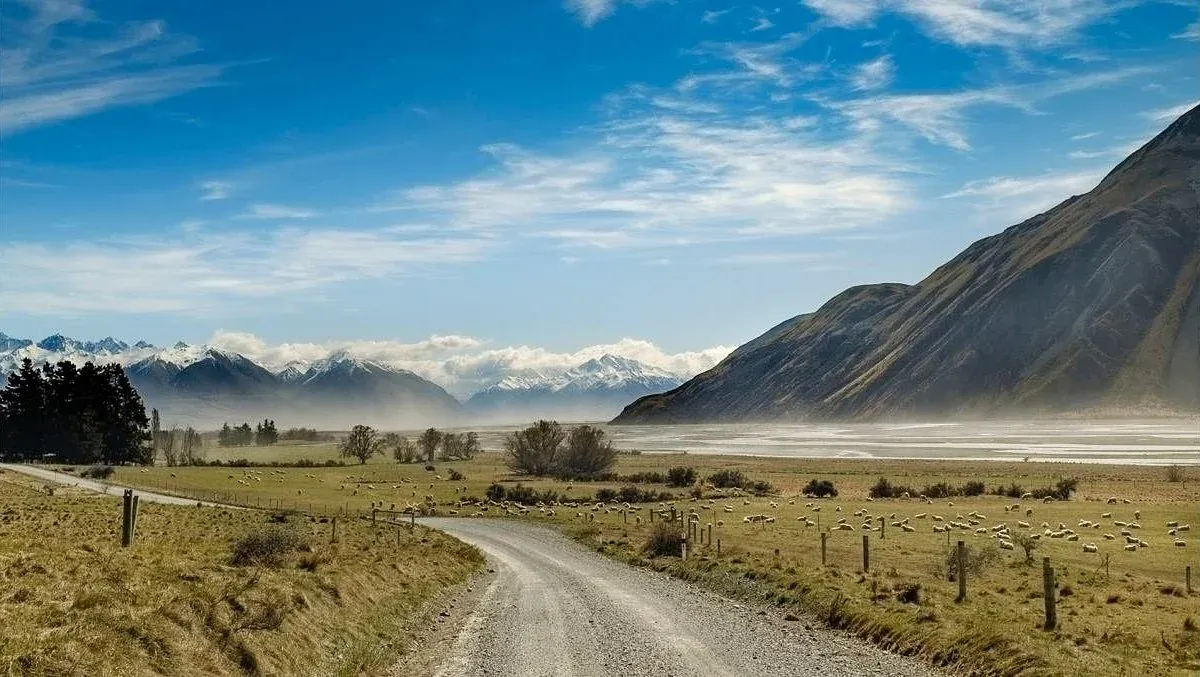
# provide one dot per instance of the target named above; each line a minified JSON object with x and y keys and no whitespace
{"x":938,"y":518}
{"x":1137,"y":514}
{"x":1180,"y":543}
{"x":1184,"y":527}
{"x":1027,"y":494}
{"x":1109,"y":537}
{"x":1112,"y":500}
{"x":1023,"y":525}
{"x":1005,"y":545}
{"x":920,"y":515}
{"x":1073,"y":537}
{"x":1130,"y":547}
{"x":907,"y":528}
{"x":1029,"y":512}
{"x":1107,"y":515}
{"x":1090,"y":547}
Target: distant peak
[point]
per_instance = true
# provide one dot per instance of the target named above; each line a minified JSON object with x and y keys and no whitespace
{"x":56,"y":343}
{"x":180,"y":345}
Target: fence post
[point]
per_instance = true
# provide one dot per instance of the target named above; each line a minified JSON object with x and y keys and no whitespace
{"x":866,"y":554}
{"x":823,"y":535}
{"x":373,"y":511}
{"x":1188,"y":576}
{"x":962,"y":572}
{"x":683,"y":550}
{"x":126,"y":514}
{"x":718,"y":547}
{"x":651,"y":515}
{"x":412,"y":524}
{"x":710,"y":533}
{"x":333,"y":534}
{"x":133,"y":519}
{"x":882,"y":527}
{"x":1048,"y":593}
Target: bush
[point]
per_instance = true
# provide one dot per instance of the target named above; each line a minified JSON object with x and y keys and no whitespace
{"x":727,"y":479}
{"x":588,"y":454}
{"x":681,"y":477}
{"x":665,"y":539}
{"x":266,"y":547}
{"x":1174,"y":473}
{"x":973,"y":488}
{"x":495,"y":492}
{"x":606,"y":495}
{"x":978,"y":559}
{"x":1027,"y":543}
{"x":1013,"y":490}
{"x":632,"y":494}
{"x":645,"y":478}
{"x":820,"y":488}
{"x":97,"y":472}
{"x":456,"y":476}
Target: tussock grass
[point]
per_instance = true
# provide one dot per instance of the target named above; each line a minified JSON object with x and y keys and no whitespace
{"x":72,"y":602}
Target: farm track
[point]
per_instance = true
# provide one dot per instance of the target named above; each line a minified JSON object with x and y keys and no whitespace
{"x":98,"y":486}
{"x":557,"y":608}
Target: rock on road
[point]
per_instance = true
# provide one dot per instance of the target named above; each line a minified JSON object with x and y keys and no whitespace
{"x":557,"y":608}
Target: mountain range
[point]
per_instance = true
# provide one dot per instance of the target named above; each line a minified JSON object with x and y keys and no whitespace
{"x":204,"y":386}
{"x":1093,"y":305}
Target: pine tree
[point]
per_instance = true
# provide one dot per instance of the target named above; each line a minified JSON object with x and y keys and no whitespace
{"x":22,"y":414}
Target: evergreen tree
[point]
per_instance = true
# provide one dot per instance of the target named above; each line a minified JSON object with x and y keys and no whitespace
{"x":225,"y":437}
{"x":23,"y":424}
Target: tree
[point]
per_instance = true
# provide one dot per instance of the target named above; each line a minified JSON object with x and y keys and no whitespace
{"x":430,"y":440}
{"x":167,"y":444}
{"x":460,"y":446}
{"x":225,"y":437}
{"x":86,"y":414}
{"x":362,"y":443}
{"x":191,"y":447}
{"x":403,"y":449}
{"x":265,"y":433}
{"x":534,"y":450}
{"x":588,"y":454}
{"x":155,"y":431}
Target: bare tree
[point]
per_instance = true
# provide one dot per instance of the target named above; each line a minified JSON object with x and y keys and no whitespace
{"x":403,"y":449}
{"x":534,"y":450}
{"x":362,"y":443}
{"x":430,"y":440}
{"x":588,"y":455}
{"x":191,"y":447}
{"x":460,"y":446}
{"x":167,"y":441}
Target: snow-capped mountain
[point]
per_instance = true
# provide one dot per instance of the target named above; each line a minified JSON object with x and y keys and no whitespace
{"x":206,"y":385}
{"x":594,"y":390}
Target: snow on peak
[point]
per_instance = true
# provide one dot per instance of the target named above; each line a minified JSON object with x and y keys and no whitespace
{"x":605,"y":372}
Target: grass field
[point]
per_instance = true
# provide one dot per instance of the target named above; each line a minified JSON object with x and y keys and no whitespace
{"x":72,"y":602}
{"x":1132,"y":617}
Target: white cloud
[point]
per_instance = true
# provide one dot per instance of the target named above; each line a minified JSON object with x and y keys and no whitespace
{"x":1009,"y":199}
{"x":463,"y":364}
{"x":197,"y":272}
{"x":762,"y":23}
{"x":1012,"y":24}
{"x":1087,"y":135}
{"x":592,"y":12}
{"x":1170,"y":113}
{"x":215,"y":190}
{"x":1192,"y":32}
{"x":273,"y":211}
{"x":60,"y":62}
{"x":875,"y":74}
{"x":711,"y":16}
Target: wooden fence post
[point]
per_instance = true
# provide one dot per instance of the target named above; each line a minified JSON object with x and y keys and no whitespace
{"x":683,"y":550}
{"x":866,"y":554}
{"x":823,"y":536}
{"x":1187,"y":574}
{"x":651,"y":515}
{"x":710,"y":533}
{"x":126,"y":517}
{"x":1048,"y":594}
{"x":333,"y":534}
{"x":882,"y":527}
{"x":133,"y":519}
{"x":961,"y":561}
{"x":718,"y":547}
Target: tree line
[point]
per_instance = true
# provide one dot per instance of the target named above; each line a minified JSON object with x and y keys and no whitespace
{"x":176,"y":446}
{"x":363,"y":442}
{"x":71,"y":414}
{"x":264,"y":434}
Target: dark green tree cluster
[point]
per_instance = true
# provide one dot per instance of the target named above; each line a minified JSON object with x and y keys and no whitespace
{"x":71,"y":414}
{"x":263,"y":434}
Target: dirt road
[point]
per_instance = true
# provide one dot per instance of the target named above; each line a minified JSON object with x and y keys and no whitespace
{"x":95,"y":485}
{"x":556,"y":608}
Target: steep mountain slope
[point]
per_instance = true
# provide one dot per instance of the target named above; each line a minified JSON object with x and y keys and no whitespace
{"x":374,"y":392}
{"x":594,"y":390}
{"x":1095,"y":303}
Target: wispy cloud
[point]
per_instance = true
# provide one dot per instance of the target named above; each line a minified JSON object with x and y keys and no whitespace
{"x":875,"y":74}
{"x":592,"y":12}
{"x":463,"y":364}
{"x":60,"y":61}
{"x":771,"y":258}
{"x":1169,"y":113}
{"x":215,"y":190}
{"x":195,"y":271}
{"x":1011,"y":198}
{"x":1087,"y":135}
{"x":712,"y":16}
{"x":1010,"y":24}
{"x":1192,"y":32}
{"x":274,"y":211}
{"x":762,"y":23}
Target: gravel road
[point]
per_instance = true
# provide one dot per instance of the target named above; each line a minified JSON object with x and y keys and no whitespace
{"x":95,"y":485}
{"x":557,"y":608}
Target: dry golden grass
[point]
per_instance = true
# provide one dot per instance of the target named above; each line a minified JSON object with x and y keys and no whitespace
{"x":1134,"y":619}
{"x":72,"y":602}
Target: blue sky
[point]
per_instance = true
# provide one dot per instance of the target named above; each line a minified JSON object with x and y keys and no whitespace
{"x":546,"y":174}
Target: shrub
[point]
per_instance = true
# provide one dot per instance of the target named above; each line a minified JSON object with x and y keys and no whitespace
{"x":727,"y":479}
{"x":632,"y":494}
{"x":534,"y":450}
{"x":456,"y":476}
{"x":495,"y":492}
{"x":606,"y":495}
{"x":977,"y":560}
{"x":1027,"y":543}
{"x":97,"y":472}
{"x":762,"y":487}
{"x":1174,"y":473}
{"x":910,"y":594}
{"x":681,"y":477}
{"x":665,"y":539}
{"x":645,"y":478}
{"x":1013,"y":490}
{"x":266,"y":547}
{"x":973,"y":488}
{"x":820,"y":488}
